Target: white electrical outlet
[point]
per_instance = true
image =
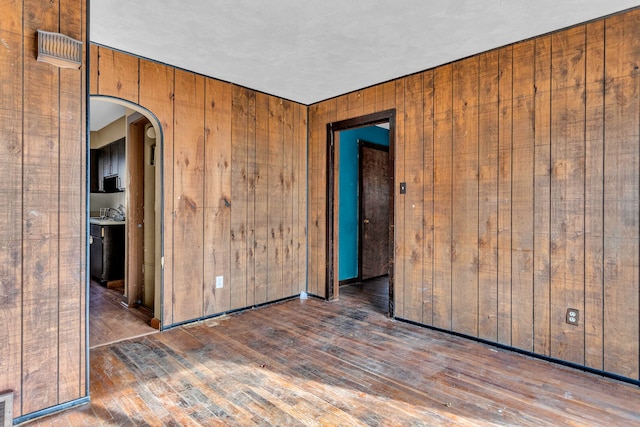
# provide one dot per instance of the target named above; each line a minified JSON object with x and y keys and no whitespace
{"x":219,"y":282}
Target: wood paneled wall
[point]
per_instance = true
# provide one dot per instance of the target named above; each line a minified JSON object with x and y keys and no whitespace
{"x":235,"y":178}
{"x":42,"y":221}
{"x":522,"y":167}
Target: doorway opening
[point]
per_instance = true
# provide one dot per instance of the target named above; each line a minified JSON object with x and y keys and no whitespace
{"x":125,"y":205}
{"x":360,"y":217}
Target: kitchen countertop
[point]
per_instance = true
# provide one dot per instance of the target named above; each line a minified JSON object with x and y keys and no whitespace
{"x":101,"y":221}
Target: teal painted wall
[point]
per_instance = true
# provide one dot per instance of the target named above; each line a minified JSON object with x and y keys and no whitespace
{"x":348,"y":201}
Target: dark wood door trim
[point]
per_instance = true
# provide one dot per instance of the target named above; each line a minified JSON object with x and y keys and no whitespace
{"x":135,"y":210}
{"x":387,"y":116}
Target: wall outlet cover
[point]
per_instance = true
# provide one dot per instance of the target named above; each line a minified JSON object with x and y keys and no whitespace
{"x":573,"y":316}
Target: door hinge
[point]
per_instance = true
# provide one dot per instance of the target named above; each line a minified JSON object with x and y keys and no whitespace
{"x":162,"y":262}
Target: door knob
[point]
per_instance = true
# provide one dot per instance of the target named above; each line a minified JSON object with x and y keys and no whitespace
{"x":366,"y":221}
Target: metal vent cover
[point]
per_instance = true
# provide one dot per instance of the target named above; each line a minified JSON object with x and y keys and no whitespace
{"x":59,"y":50}
{"x":6,"y":409}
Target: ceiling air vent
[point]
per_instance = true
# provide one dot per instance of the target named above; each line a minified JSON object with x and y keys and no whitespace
{"x":59,"y":50}
{"x":6,"y":409}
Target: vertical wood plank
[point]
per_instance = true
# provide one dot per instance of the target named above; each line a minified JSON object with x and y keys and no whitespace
{"x":71,"y":280}
{"x":94,"y":66}
{"x":542,"y":201}
{"x":442,"y":181}
{"x":556,"y":244}
{"x":239,"y":140}
{"x":369,"y":100}
{"x":342,"y":107}
{"x":296,"y":177}
{"x":427,"y":259}
{"x":188,"y":182}
{"x":594,"y":196}
{"x":413,"y":240}
{"x":118,"y":76}
{"x":135,"y":150}
{"x":261,"y":216}
{"x":522,"y":195}
{"x":464,"y":227}
{"x":11,"y":147}
{"x":83,"y":223}
{"x":567,"y":192}
{"x":301,"y":183}
{"x":312,"y":214}
{"x":621,"y":199}
{"x":324,"y":113}
{"x":385,"y":96}
{"x":400,"y":202}
{"x":157,"y":88}
{"x":350,"y":106}
{"x":288,"y":176}
{"x":505,"y":95}
{"x":251,"y":197}
{"x":217,"y":203}
{"x":488,"y":196}
{"x":40,"y":216}
{"x":275,"y":182}
{"x":329,"y":116}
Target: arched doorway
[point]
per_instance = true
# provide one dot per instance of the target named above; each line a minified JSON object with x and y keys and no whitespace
{"x":125,"y":221}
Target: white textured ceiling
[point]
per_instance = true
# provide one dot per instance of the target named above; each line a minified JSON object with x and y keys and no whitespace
{"x":103,"y":113}
{"x":311,"y":50}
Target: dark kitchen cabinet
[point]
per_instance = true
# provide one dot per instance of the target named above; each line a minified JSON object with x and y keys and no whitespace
{"x":95,"y":176}
{"x":108,"y":161}
{"x":107,"y":253}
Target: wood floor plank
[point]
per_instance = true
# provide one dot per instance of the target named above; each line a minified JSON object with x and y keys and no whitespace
{"x":313,"y":362}
{"x":110,"y":321}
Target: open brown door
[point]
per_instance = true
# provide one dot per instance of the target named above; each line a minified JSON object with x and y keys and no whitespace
{"x":374,"y":211}
{"x":135,"y":212}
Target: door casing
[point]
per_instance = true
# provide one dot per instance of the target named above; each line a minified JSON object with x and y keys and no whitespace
{"x":387,"y":116}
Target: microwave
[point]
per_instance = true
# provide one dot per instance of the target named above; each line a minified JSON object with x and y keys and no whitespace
{"x":111,"y":184}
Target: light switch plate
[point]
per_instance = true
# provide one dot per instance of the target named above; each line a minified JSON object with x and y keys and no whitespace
{"x":219,"y":282}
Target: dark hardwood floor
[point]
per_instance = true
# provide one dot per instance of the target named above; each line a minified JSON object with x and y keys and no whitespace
{"x":110,"y":321}
{"x":342,"y":363}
